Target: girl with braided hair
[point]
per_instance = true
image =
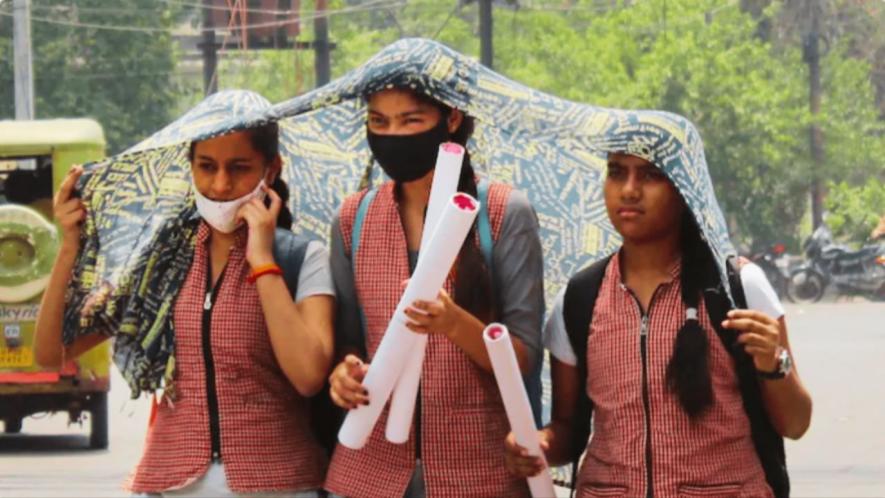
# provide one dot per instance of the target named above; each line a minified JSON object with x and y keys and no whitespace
{"x":671,"y":382}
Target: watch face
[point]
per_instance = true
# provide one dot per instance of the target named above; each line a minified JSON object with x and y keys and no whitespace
{"x":786,"y":363}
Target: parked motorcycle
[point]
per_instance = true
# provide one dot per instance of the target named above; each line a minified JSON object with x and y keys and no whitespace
{"x":853,"y":272}
{"x":774,"y":261}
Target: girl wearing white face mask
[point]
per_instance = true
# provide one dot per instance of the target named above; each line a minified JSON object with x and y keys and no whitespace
{"x":251,"y":344}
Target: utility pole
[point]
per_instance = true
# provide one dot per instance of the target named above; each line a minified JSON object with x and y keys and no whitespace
{"x":322,"y":60}
{"x":24,"y":70}
{"x":487,"y":52}
{"x":812,"y":58}
{"x":210,"y":56}
{"x":258,"y":39}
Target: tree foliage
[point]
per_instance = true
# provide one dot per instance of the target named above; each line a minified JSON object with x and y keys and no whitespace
{"x":854,"y":211}
{"x":123,"y":79}
{"x":705,"y":59}
{"x":736,"y":69}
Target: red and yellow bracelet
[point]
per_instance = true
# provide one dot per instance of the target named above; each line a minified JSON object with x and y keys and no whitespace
{"x":271,"y":269}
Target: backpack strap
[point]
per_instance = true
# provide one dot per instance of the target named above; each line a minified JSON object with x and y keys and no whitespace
{"x":355,"y":235}
{"x":735,"y":282}
{"x":577,"y":310}
{"x":484,"y":225}
{"x":289,"y":251}
{"x":768,"y":443}
{"x":358,"y":221}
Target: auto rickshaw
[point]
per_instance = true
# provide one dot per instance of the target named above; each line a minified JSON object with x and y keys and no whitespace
{"x":35,"y":156}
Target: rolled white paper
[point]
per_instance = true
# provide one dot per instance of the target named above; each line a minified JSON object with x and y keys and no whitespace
{"x":516,"y":402}
{"x":405,"y":392}
{"x":427,"y":279}
{"x":445,"y":183}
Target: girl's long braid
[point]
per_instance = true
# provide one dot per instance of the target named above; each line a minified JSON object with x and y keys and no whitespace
{"x":688,"y":373}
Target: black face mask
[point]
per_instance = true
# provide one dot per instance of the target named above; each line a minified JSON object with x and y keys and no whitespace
{"x":406,"y":158}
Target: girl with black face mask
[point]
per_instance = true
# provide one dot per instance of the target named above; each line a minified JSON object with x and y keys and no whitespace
{"x":454,"y":448}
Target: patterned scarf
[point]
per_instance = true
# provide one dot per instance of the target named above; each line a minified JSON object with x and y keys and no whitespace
{"x":138,"y":241}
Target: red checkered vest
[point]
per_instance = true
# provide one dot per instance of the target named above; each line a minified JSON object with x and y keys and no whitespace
{"x":712,"y":456}
{"x":463,"y":424}
{"x":266,"y":443}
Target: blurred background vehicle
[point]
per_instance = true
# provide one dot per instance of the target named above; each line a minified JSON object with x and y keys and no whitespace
{"x":34,"y":158}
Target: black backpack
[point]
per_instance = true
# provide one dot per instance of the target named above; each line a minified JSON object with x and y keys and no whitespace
{"x":578,"y":303}
{"x":325,"y":417}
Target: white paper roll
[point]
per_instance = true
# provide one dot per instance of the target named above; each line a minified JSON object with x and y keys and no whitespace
{"x":516,"y":402}
{"x":428,"y":278}
{"x":405,"y":392}
{"x":445,"y":183}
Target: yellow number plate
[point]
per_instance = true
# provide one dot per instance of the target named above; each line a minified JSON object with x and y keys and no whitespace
{"x":16,"y":358}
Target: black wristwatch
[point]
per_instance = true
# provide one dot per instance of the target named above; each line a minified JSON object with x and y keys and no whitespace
{"x":784,"y":366}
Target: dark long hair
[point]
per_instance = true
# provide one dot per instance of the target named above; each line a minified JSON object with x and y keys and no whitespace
{"x":265,"y":139}
{"x":688,"y":373}
{"x":473,"y":281}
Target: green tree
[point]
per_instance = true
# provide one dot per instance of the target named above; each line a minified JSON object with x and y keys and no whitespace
{"x":855,"y":24}
{"x":746,"y":89}
{"x":749,"y":98}
{"x":125,"y":79}
{"x":854,"y":211}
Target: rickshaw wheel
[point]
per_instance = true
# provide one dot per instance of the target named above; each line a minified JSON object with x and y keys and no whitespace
{"x":98,"y":415}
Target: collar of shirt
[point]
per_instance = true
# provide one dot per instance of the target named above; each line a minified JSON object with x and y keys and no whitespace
{"x":204,"y":232}
{"x":615,"y":269}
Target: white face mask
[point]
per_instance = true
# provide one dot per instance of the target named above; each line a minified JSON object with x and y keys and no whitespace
{"x":222,"y":215}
